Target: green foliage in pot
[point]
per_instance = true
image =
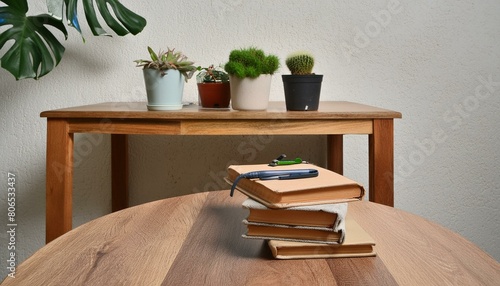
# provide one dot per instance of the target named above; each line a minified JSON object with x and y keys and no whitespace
{"x":35,"y":50}
{"x":251,"y":62}
{"x":164,"y":61}
{"x":211,"y":74}
{"x":300,"y":63}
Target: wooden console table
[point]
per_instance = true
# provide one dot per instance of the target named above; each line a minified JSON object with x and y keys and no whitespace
{"x":119,"y":119}
{"x":196,"y":240}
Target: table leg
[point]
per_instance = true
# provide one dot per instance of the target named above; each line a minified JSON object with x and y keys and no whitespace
{"x":119,"y":172}
{"x":381,"y":162}
{"x":335,"y":153}
{"x":59,"y":179}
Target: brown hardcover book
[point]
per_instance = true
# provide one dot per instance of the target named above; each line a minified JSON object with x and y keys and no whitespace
{"x":357,"y":243}
{"x":323,"y":215}
{"x":327,"y":187}
{"x":292,"y":233}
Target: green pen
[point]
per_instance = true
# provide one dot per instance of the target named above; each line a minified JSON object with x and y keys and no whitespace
{"x":279,"y":161}
{"x":289,"y":162}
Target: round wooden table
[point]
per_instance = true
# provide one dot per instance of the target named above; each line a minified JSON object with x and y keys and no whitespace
{"x":196,"y":240}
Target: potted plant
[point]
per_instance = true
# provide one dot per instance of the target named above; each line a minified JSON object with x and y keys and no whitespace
{"x":250,"y":72}
{"x":302,"y":87}
{"x":164,"y":76}
{"x":213,"y":87}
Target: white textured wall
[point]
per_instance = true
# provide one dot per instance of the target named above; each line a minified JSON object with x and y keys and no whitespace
{"x":437,"y":62}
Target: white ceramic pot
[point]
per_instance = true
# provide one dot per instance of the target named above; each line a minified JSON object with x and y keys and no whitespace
{"x":250,"y":93}
{"x":164,"y":92}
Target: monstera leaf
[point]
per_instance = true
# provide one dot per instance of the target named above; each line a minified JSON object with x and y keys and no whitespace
{"x":35,"y":51}
{"x":128,"y":21}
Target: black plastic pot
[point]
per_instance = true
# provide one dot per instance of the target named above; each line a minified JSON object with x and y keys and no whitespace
{"x":302,"y":92}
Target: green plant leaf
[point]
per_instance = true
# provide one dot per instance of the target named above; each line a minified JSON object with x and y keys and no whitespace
{"x":126,"y":21}
{"x":18,"y":5}
{"x":72,"y":14}
{"x":35,"y":51}
{"x":91,"y":16}
{"x":152,"y":54}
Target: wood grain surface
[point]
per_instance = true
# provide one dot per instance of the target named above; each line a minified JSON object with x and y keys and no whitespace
{"x":333,"y":119}
{"x":276,"y":110}
{"x":196,"y":240}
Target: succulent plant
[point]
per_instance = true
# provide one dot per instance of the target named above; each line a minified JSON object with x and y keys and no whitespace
{"x":251,"y":62}
{"x":211,"y":74}
{"x":300,"y":63}
{"x":164,"y":61}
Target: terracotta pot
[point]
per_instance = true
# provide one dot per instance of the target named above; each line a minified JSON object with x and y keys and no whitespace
{"x":214,"y":94}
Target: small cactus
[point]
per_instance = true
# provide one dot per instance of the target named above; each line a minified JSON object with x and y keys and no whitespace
{"x":251,"y":62}
{"x":300,"y":63}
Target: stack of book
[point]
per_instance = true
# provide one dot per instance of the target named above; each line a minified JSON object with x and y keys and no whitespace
{"x":303,"y":218}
